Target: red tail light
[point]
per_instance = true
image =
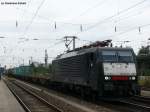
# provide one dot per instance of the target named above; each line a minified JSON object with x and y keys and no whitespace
{"x":119,"y":78}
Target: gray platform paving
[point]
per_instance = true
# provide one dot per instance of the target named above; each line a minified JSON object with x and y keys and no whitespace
{"x":145,"y":93}
{"x":8,"y":103}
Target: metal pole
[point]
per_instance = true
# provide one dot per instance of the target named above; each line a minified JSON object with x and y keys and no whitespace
{"x":74,"y":43}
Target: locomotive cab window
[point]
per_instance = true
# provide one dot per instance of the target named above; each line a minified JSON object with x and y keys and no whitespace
{"x":117,"y":56}
{"x":109,"y":56}
{"x":125,"y":56}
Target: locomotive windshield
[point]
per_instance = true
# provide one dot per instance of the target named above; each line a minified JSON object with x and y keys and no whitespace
{"x":117,"y":56}
{"x":125,"y":56}
{"x":109,"y":56}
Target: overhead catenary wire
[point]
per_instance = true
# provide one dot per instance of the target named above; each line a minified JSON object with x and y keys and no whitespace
{"x":48,"y":19}
{"x":110,"y":36}
{"x":123,"y":32}
{"x":133,"y":15}
{"x":51,"y":19}
{"x":34,"y":16}
{"x":32,"y":19}
{"x":135,"y":28}
{"x":110,"y":17}
{"x":90,"y":8}
{"x":118,"y":13}
{"x":28,"y":4}
{"x":81,"y":14}
{"x":128,"y":30}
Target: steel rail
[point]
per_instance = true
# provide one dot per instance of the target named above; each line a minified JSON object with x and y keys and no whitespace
{"x":53,"y":107}
{"x":25,"y":107}
{"x":140,"y":106}
{"x":141,"y":99}
{"x":40,"y":98}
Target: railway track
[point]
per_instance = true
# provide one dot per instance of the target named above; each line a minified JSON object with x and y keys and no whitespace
{"x":31,"y":101}
{"x":133,"y":104}
{"x":140,"y":104}
{"x":142,"y":99}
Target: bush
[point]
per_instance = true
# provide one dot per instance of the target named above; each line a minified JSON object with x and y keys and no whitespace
{"x":145,"y":81}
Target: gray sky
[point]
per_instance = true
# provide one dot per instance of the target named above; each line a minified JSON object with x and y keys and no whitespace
{"x":99,"y":18}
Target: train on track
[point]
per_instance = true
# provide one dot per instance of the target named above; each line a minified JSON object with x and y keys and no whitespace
{"x":93,"y":70}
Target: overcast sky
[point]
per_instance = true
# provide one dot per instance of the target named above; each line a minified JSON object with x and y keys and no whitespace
{"x":21,"y":24}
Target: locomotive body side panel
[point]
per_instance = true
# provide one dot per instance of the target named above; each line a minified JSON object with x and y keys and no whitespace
{"x":78,"y":69}
{"x":72,"y":70}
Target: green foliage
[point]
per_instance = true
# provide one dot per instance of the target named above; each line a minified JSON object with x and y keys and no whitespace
{"x":143,"y":61}
{"x":144,"y":51}
{"x":147,"y":72}
{"x":145,"y":82}
{"x":41,"y":69}
{"x":9,"y":72}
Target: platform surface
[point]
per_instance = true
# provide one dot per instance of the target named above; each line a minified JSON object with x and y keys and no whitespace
{"x":8,"y":102}
{"x":145,"y":93}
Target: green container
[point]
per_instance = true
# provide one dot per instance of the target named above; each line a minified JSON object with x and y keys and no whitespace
{"x":23,"y":71}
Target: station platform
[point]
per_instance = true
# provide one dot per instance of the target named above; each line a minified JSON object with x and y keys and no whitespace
{"x":145,"y":93}
{"x":8,"y":102}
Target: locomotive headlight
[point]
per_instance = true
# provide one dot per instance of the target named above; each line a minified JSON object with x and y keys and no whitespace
{"x":133,"y":78}
{"x":106,"y":78}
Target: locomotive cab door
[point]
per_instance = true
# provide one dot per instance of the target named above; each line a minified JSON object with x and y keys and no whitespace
{"x":96,"y":75}
{"x":92,"y":72}
{"x":100,"y":73}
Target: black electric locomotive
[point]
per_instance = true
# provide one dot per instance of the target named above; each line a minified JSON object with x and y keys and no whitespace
{"x":104,"y":71}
